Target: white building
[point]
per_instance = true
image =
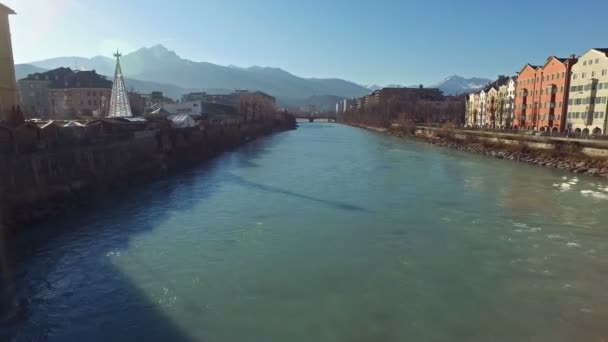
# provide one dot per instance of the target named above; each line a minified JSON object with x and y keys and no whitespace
{"x":195,"y":108}
{"x":588,"y":97}
{"x":510,"y":105}
{"x":481,"y":111}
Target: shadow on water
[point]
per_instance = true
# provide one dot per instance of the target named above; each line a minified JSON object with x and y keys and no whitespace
{"x":335,"y":204}
{"x":58,"y":282}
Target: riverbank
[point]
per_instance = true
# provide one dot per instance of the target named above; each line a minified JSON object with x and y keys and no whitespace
{"x":46,"y":183}
{"x":561,"y":154}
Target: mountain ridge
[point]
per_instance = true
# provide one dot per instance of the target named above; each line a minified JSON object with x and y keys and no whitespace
{"x":157,"y":66}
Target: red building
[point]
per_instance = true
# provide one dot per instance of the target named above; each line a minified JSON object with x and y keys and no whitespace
{"x":542,"y":95}
{"x":525,"y":100}
{"x":553,"y":103}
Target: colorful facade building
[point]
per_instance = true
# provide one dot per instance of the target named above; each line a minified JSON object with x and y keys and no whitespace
{"x":541,"y":95}
{"x":491,"y":106}
{"x":510,"y":102}
{"x":553,"y":94}
{"x":468,"y":119}
{"x":8,"y":84}
{"x":588,"y":94}
{"x":481,"y":109}
{"x":503,"y":112}
{"x":526,"y":97}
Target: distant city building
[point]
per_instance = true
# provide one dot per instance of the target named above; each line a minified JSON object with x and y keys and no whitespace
{"x":198,"y":96}
{"x":83,"y":93}
{"x":494,"y":103}
{"x":588,"y":95}
{"x":481,"y":109}
{"x":8,"y":84}
{"x":192,"y":108}
{"x":234,"y":99}
{"x":138,"y":103}
{"x":472,"y":110}
{"x":35,"y":91}
{"x":510,"y":102}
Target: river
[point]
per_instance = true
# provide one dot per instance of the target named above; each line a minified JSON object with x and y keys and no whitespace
{"x":326,"y":233}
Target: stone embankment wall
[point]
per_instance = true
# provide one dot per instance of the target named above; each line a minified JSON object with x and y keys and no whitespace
{"x":43,"y":183}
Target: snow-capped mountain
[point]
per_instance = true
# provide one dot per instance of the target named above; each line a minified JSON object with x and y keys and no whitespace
{"x":453,"y":85}
{"x":456,"y":85}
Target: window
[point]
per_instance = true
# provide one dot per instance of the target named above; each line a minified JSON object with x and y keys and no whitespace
{"x":89,"y":102}
{"x":597,"y":61}
{"x":585,"y":63}
{"x":560,"y":105}
{"x":552,"y":76}
{"x":583,"y":75}
{"x":570,"y":101}
{"x":578,"y":101}
{"x":561,"y":89}
{"x":574,"y":76}
{"x":593,"y":74}
{"x":573,"y":88}
{"x":563,"y":74}
{"x":604,"y":72}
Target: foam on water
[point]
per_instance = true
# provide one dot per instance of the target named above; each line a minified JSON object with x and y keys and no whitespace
{"x":594,"y":194}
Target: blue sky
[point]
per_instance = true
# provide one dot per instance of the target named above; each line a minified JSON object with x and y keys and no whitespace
{"x":381,"y":41}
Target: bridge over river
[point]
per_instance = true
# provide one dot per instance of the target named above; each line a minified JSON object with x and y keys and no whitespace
{"x":328,"y":117}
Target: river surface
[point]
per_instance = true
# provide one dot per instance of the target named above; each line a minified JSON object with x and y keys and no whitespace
{"x":327,"y":233}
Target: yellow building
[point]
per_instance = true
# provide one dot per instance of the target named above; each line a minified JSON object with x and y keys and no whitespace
{"x":8,"y":85}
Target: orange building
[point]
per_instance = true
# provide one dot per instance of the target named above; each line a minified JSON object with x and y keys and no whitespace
{"x":553,"y":101}
{"x":542,"y":95}
{"x":525,"y":100}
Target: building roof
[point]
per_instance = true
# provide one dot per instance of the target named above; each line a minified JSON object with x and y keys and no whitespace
{"x":51,"y":75}
{"x":6,"y":9}
{"x":82,"y":79}
{"x":528,"y":65}
{"x":602,"y":50}
{"x":500,"y":81}
{"x":62,"y":78}
{"x":561,"y":59}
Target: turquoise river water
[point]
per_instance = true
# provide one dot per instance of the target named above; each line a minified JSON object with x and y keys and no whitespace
{"x":326,"y":233}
